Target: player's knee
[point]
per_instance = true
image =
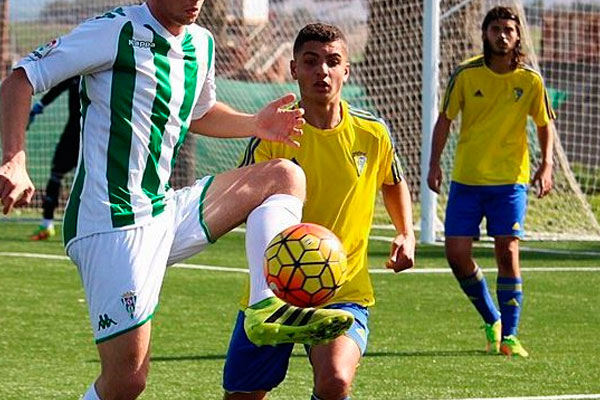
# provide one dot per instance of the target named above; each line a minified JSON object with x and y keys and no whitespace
{"x":507,"y":254}
{"x":288,"y":178}
{"x":333,"y":386}
{"x":259,"y":395}
{"x":125,"y":385}
{"x":462,"y":265}
{"x":507,"y":262}
{"x":133,"y":386}
{"x":456,"y":258}
{"x":136,"y":386}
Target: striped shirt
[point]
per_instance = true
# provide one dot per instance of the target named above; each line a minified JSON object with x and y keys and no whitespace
{"x":141,"y":87}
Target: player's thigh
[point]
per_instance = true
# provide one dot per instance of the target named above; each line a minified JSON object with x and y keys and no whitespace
{"x":234,"y":194}
{"x":127,"y":354}
{"x":342,"y":355}
{"x":505,"y":210}
{"x":122,"y":273}
{"x":192,"y":234}
{"x":464,"y":211}
{"x":250,"y":368}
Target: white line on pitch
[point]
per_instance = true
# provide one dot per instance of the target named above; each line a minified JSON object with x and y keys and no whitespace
{"x":559,"y":397}
{"x":522,"y":248}
{"x":372,"y":270}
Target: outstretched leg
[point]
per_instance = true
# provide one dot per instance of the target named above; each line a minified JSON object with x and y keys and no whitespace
{"x":269,"y":197}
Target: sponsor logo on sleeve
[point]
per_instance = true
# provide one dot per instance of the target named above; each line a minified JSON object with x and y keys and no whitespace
{"x":43,"y":51}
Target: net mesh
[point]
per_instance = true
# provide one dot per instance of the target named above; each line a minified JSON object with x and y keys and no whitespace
{"x":385,"y":42}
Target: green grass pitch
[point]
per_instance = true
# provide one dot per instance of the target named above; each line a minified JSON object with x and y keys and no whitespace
{"x":425,"y":339}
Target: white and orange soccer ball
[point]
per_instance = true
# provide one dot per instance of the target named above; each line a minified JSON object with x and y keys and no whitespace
{"x":305,"y":265}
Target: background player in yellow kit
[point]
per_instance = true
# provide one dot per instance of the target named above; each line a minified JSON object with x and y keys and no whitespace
{"x":347,"y":155}
{"x":495,"y":92}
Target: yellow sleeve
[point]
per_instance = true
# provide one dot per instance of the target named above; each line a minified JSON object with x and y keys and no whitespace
{"x":541,"y":110}
{"x":453,"y":100}
{"x":256,"y":151}
{"x":390,"y":172}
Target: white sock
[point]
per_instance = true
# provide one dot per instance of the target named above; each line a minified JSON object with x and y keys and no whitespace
{"x":47,"y":223}
{"x":91,"y":394}
{"x":275,"y":214}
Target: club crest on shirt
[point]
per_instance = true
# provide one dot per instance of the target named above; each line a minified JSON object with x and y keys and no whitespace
{"x":360,"y":161}
{"x":44,"y":50}
{"x":128,"y":299}
{"x":517,"y":92}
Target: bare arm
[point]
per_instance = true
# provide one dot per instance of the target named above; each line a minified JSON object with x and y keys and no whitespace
{"x":273,"y":122}
{"x":438,"y":142}
{"x":16,"y":188}
{"x":399,"y":207}
{"x":542,"y":179}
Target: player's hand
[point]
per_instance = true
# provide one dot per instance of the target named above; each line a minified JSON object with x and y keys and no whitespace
{"x":37,"y":108}
{"x":434,"y":178}
{"x":16,"y":189}
{"x":402,"y":253}
{"x":278,"y":124}
{"x":542,"y":180}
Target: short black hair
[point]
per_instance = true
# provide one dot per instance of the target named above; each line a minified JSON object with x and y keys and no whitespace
{"x":319,"y":32}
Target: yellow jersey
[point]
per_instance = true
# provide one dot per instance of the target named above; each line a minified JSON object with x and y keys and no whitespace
{"x":345,"y":167}
{"x":492,"y":145}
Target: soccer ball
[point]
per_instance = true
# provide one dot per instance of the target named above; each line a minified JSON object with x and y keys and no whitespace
{"x":305,"y":265}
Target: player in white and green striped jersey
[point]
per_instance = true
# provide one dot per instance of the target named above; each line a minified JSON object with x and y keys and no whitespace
{"x":147,"y":78}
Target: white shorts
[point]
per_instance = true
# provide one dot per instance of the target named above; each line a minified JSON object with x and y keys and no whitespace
{"x":122,"y":271}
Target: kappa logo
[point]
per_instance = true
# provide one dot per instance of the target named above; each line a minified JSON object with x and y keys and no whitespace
{"x":128,"y":299}
{"x":143,"y":44}
{"x":360,"y":161}
{"x":104,"y":321}
{"x":518,"y":93}
{"x":478,"y":93}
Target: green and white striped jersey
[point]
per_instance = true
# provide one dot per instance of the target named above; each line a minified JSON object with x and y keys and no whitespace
{"x":141,"y":87}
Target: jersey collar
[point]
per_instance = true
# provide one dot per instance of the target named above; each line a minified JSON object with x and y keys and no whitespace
{"x":329,"y":132}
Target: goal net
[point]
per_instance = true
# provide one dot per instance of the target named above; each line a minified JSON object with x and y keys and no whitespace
{"x":253,"y":48}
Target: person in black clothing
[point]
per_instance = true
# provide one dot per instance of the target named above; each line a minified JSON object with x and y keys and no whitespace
{"x":65,"y":153}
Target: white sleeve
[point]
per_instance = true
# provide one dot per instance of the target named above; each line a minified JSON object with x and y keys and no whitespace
{"x":89,"y":48}
{"x":208,"y":94}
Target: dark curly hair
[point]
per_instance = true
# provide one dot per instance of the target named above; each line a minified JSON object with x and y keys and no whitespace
{"x":495,"y":14}
{"x":319,"y":32}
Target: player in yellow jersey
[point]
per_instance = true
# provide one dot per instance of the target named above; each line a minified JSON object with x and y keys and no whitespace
{"x":347,"y":155}
{"x":495,"y":93}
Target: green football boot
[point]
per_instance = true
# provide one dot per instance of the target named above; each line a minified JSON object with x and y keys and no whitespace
{"x":493,"y":333}
{"x":511,"y":346}
{"x":273,"y":321}
{"x":43,"y":233}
